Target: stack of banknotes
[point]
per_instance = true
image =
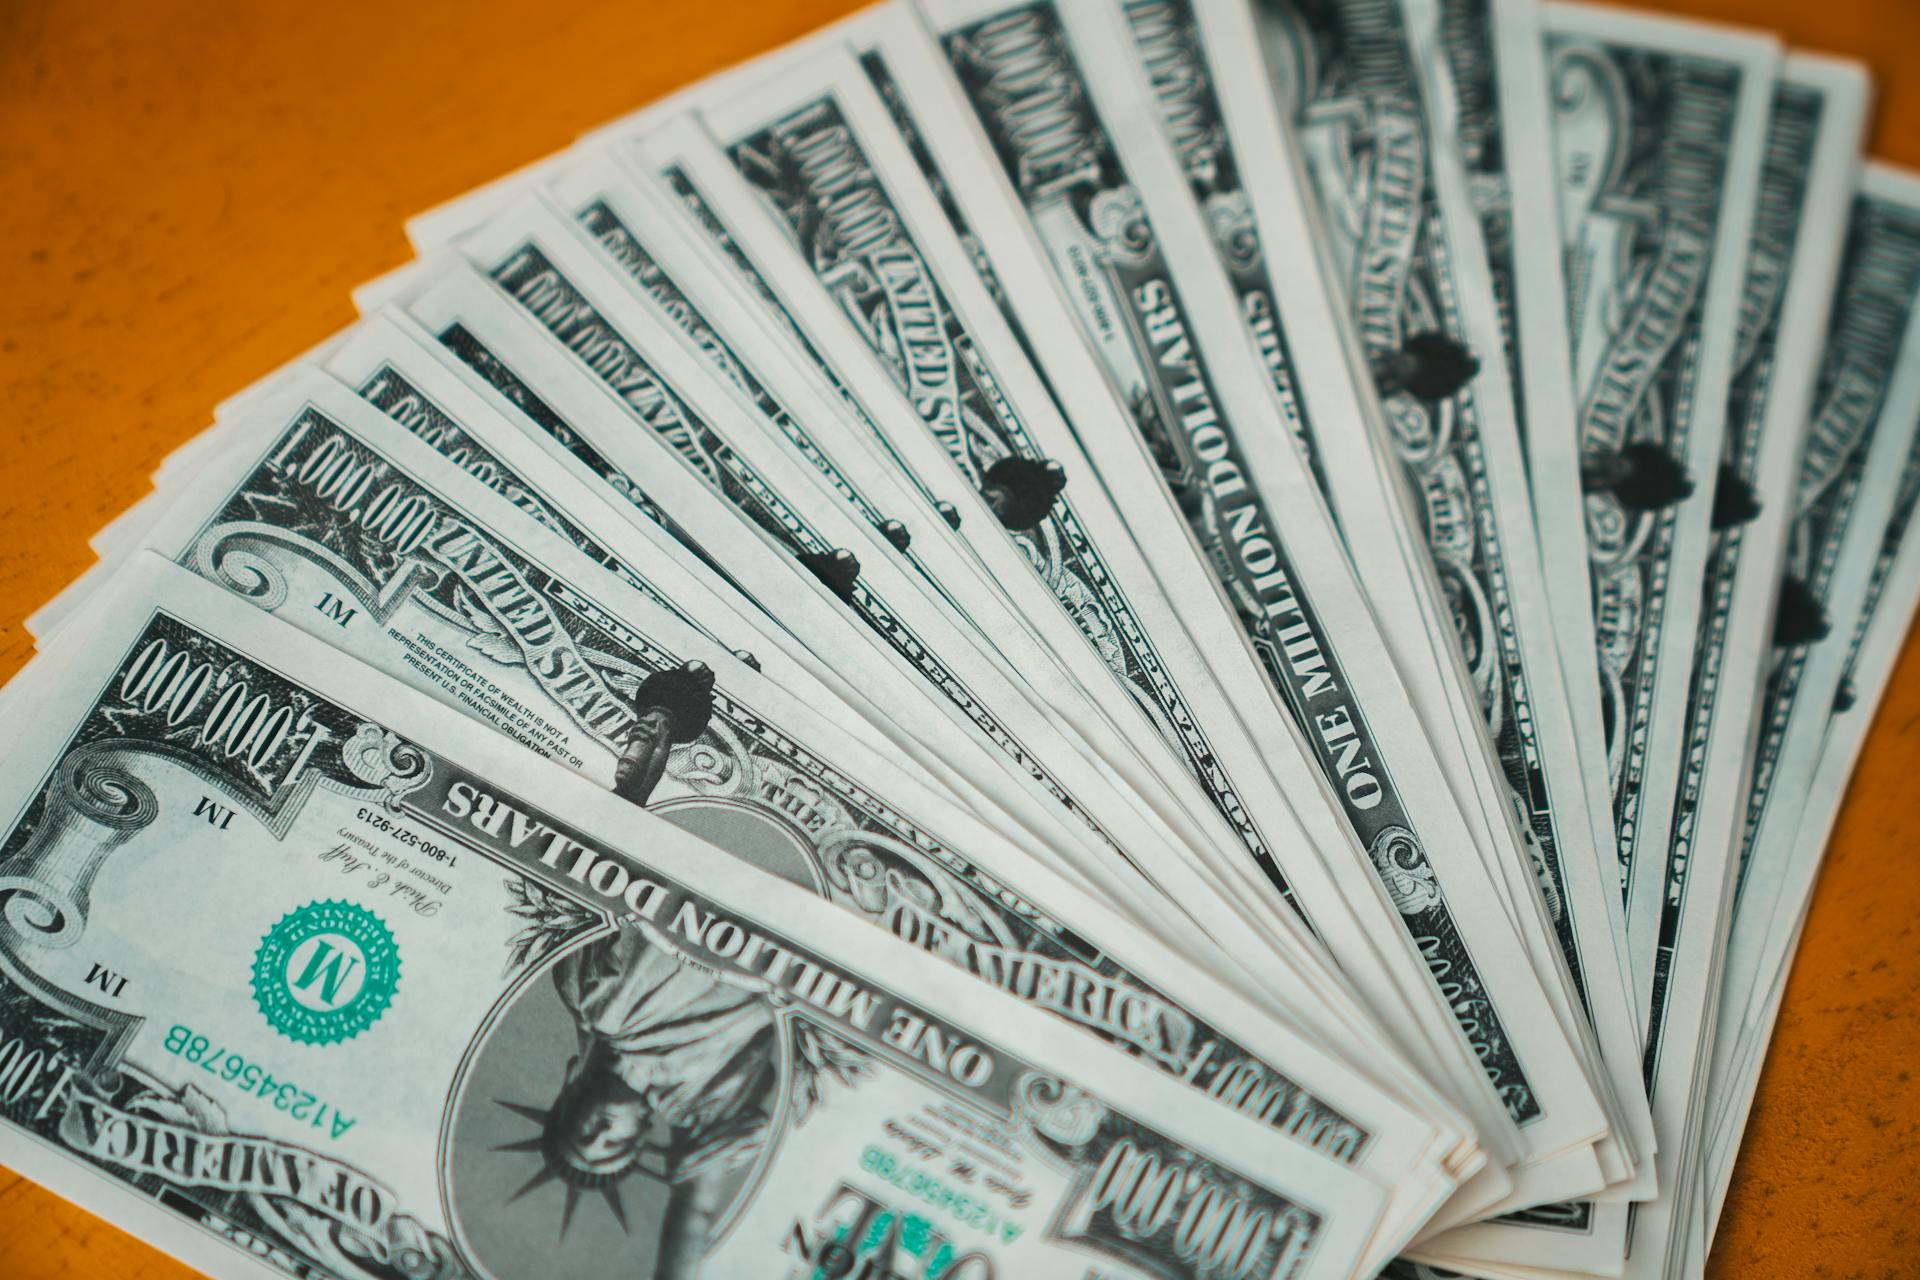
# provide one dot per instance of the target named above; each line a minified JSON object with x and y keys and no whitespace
{"x":1105,"y":639}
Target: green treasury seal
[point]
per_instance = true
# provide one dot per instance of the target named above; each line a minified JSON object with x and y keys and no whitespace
{"x":326,"y":972}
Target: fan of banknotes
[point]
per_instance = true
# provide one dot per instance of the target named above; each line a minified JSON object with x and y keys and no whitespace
{"x":1029,"y":638}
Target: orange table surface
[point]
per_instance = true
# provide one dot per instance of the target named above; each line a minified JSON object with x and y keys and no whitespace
{"x":188,"y":192}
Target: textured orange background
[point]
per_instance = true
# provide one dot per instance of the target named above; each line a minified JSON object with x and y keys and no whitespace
{"x":188,"y":191}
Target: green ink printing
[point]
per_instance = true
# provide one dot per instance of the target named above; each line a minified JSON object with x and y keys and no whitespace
{"x":326,"y":972}
{"x":257,"y":1081}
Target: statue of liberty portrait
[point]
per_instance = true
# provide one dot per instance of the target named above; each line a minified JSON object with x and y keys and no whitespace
{"x":679,"y":1071}
{"x":674,"y":1078}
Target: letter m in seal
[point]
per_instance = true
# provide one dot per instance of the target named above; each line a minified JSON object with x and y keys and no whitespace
{"x":327,"y":968}
{"x":326,"y":972}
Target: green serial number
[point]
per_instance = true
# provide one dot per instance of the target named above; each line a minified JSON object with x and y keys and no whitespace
{"x":254,"y":1079}
{"x":923,"y":1186}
